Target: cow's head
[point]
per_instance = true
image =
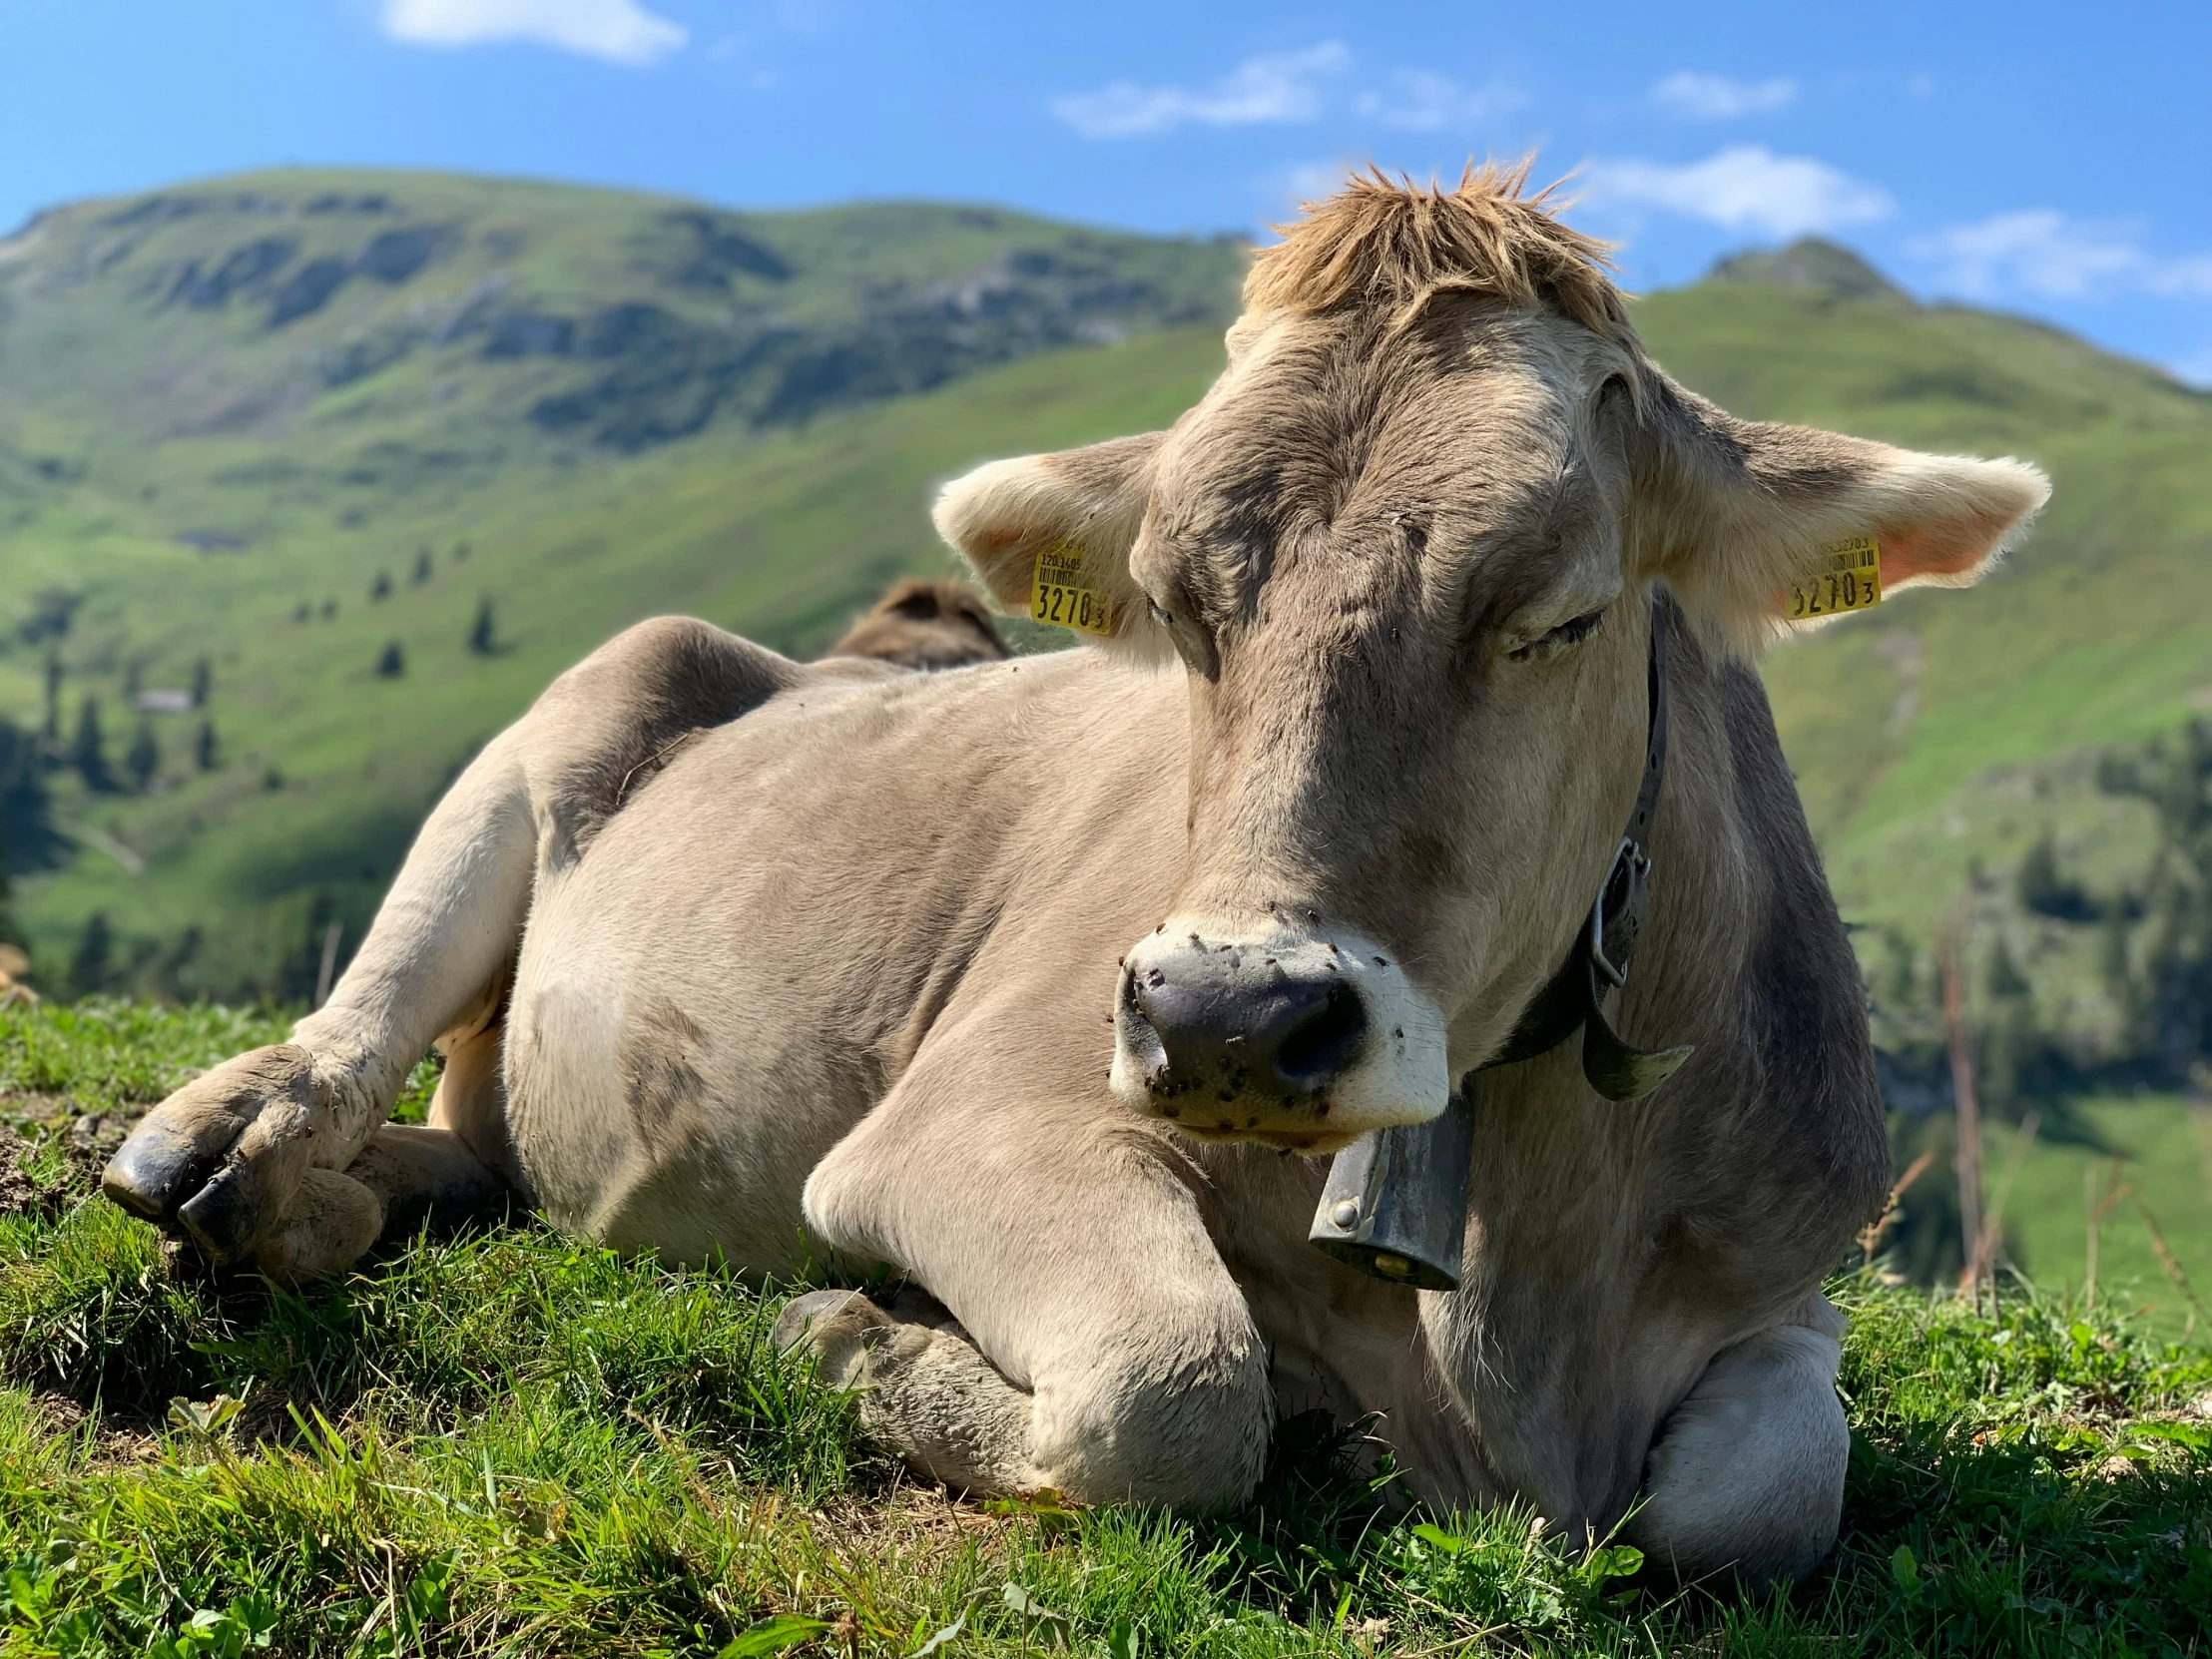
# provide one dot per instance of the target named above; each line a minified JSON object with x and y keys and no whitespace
{"x":1404,"y":551}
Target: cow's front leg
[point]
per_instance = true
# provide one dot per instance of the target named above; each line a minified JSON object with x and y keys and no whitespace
{"x":1102,"y":1348}
{"x":223,"y":1158}
{"x":1747,"y":1474}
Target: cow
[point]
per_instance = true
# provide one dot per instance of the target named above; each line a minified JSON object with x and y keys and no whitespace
{"x":1046,"y":987}
{"x":15,"y":967}
{"x":919,"y":623}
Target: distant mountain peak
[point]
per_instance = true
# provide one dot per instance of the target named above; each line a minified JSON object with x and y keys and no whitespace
{"x":1808,"y":263}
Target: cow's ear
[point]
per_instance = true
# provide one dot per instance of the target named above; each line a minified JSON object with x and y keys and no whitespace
{"x":1049,"y":536}
{"x":1756,"y":526}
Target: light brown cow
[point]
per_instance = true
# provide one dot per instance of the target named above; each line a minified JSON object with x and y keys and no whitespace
{"x":15,"y":967}
{"x":924,"y":624}
{"x":1032,"y":979}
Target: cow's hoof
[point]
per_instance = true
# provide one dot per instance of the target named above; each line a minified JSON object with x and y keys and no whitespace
{"x":220,"y":1158}
{"x":837,"y":1328}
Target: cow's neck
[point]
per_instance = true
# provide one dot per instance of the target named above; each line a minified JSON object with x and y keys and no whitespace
{"x":1613,"y":1247}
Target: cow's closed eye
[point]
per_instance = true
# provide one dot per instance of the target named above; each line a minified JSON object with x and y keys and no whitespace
{"x":1192,"y":638}
{"x":1571,"y":632}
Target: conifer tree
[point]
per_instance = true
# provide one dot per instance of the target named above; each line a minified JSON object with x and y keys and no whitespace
{"x":143,"y":758}
{"x":88,"y":750}
{"x":53,"y":725}
{"x":89,"y":968}
{"x":484,"y":635}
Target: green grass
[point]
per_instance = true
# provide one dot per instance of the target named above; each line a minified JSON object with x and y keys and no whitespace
{"x":2155,"y":1159}
{"x":510,"y":1443}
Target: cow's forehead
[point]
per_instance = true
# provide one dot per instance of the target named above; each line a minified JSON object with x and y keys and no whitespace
{"x":1473,"y":412}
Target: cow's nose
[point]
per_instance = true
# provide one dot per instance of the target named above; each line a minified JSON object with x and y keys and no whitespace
{"x":1298,"y":1040}
{"x":1222,"y":1034}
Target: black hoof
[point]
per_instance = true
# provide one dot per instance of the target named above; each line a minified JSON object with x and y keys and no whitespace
{"x":154,"y":1172}
{"x":228,"y":1215}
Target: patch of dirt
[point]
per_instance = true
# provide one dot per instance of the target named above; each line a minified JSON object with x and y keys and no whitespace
{"x":17,"y":1189}
{"x":116,"y":1443}
{"x":86,"y":1143}
{"x":26,"y":1106}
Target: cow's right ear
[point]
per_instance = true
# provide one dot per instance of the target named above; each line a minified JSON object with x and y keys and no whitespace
{"x":1049,"y":536}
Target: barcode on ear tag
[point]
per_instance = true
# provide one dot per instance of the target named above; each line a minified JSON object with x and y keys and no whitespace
{"x":1848,"y":579}
{"x":1060,"y":593}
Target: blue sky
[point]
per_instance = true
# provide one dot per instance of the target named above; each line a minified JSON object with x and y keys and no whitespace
{"x":2055,"y":160}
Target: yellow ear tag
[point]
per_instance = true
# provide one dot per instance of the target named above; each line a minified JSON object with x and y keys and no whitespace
{"x":1848,"y":580}
{"x":1059,"y":592}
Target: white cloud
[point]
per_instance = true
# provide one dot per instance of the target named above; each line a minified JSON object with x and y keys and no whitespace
{"x":2042,"y":251}
{"x":1717,"y":98}
{"x":619,"y":31}
{"x":1421,"y":102}
{"x":2183,"y":278}
{"x":1275,"y":87}
{"x":1745,"y":188}
{"x":2036,"y":248}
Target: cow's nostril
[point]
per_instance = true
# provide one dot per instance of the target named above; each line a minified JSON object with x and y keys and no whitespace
{"x":1326,"y":1043}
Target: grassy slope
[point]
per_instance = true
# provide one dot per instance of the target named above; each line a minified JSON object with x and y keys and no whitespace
{"x":2160,"y":1163}
{"x":512,"y":1444}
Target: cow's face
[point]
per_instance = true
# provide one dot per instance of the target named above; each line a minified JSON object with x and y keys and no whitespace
{"x":1404,"y":555}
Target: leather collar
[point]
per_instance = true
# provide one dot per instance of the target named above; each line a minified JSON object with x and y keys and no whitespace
{"x":1598,"y":959}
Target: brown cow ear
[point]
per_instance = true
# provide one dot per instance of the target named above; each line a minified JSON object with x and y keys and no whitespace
{"x":1049,"y":535}
{"x":1754,"y":524}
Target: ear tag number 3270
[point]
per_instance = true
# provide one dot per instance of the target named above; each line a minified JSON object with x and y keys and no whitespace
{"x":1062,"y":594}
{"x":1848,"y":579}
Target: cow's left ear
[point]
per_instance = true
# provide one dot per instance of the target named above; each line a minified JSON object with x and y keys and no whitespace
{"x":1748,"y":521}
{"x":1049,"y":536}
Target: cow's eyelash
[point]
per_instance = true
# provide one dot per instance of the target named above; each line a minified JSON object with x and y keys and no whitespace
{"x":1571,"y":632}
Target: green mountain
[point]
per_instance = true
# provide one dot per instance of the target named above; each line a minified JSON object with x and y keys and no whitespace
{"x":386,"y":451}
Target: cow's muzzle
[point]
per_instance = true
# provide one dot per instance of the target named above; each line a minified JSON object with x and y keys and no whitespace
{"x":1298,"y":1040}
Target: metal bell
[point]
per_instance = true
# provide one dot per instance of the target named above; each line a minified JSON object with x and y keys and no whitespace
{"x":1395,"y":1202}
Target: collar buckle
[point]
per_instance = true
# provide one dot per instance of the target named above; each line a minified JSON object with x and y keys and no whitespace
{"x":1623,"y":899}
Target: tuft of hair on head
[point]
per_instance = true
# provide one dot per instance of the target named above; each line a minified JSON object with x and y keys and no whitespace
{"x":1389,"y":242}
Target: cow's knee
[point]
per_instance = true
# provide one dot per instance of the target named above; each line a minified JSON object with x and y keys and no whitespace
{"x":1188,"y":1437}
{"x":1103,"y":1432}
{"x":1746,"y":1474}
{"x":658,"y":679}
{"x":603,"y":730}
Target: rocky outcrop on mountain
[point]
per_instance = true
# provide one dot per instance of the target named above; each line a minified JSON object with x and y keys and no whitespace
{"x":618,"y":321}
